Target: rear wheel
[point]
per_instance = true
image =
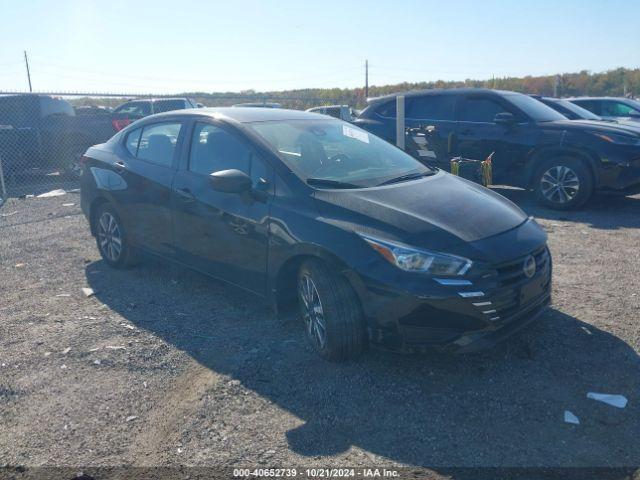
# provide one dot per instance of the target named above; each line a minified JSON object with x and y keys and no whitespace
{"x":111,"y":238}
{"x":563,"y":183}
{"x":331,"y":312}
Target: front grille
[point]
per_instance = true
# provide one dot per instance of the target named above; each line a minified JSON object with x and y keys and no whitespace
{"x":504,"y":286}
{"x":511,"y":273}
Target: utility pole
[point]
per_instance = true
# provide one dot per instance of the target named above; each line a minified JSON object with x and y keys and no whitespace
{"x":366,"y":79}
{"x":26,"y":62}
{"x":556,"y":86}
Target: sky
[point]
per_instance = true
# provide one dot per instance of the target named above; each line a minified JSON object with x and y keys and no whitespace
{"x":175,"y":46}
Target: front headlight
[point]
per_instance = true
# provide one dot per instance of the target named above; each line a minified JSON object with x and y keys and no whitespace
{"x":413,"y":259}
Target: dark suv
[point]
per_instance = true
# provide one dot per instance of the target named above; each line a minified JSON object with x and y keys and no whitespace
{"x":535,"y":147}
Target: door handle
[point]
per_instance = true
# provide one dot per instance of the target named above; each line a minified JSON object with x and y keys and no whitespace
{"x":120,"y":166}
{"x":185,"y":195}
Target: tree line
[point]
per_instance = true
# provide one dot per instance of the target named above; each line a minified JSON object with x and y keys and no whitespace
{"x":618,"y":82}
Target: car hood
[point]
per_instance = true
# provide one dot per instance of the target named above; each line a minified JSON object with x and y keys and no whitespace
{"x":593,"y":125}
{"x":436,"y":212}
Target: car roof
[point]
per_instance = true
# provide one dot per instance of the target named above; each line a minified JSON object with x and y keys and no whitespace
{"x":599,"y":98}
{"x":243,"y":115}
{"x":439,"y":91}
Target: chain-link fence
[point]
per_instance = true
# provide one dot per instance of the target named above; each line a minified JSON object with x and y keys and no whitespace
{"x":44,"y":135}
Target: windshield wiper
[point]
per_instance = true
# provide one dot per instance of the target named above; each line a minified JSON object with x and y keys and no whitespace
{"x":407,"y":177}
{"x":326,"y":182}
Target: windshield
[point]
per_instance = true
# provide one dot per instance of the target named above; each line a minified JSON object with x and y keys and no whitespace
{"x":534,"y":109}
{"x":333,"y":153}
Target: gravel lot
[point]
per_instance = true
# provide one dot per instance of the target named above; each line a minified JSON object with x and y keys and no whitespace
{"x":163,"y":366}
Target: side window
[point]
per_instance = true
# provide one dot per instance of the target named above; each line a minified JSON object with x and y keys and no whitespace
{"x":617,"y":109}
{"x":431,"y":107}
{"x":388,"y":109}
{"x":214,"y":149}
{"x":135,"y":109}
{"x":477,"y":109}
{"x":132,"y":141}
{"x":158,"y":143}
{"x":590,"y":105}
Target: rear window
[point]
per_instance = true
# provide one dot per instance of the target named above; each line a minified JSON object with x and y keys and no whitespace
{"x":158,"y":143}
{"x":431,"y":107}
{"x":135,"y":109}
{"x":160,"y":106}
{"x":55,"y":106}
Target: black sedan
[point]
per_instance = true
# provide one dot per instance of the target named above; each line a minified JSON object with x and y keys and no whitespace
{"x":371,"y":245}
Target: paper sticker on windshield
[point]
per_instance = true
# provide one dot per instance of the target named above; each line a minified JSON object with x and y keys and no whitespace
{"x":347,"y":131}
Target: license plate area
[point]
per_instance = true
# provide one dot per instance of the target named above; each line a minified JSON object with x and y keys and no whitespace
{"x":531,"y":291}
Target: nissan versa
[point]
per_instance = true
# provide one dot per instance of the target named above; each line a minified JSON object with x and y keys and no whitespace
{"x":304,"y":209}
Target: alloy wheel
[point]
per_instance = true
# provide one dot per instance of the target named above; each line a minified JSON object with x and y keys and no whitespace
{"x":559,"y":184}
{"x":312,"y":311}
{"x":109,"y":237}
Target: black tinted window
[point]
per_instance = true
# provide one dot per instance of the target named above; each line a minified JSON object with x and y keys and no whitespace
{"x":167,"y":105}
{"x":388,"y":109}
{"x":431,"y":107}
{"x":158,"y":143}
{"x":214,"y":149}
{"x":480,"y":110}
{"x":591,"y":105}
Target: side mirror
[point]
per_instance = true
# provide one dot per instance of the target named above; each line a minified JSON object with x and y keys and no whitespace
{"x":230,"y":181}
{"x":504,"y":118}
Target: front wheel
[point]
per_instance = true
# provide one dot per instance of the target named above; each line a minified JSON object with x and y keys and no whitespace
{"x":563,"y":183}
{"x":331,"y":312}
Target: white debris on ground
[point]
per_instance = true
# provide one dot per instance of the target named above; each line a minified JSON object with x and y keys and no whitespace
{"x":53,"y":193}
{"x":618,"y":401}
{"x":88,"y":292}
{"x":569,"y":417}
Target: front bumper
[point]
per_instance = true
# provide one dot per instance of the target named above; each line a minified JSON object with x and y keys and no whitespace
{"x":500,"y":300}
{"x":619,"y":178}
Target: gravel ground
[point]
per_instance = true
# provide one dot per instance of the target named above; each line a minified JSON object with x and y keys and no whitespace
{"x":163,"y":366}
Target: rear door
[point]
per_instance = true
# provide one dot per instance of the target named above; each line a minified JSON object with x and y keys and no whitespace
{"x":222,"y":234}
{"x":147,"y":165}
{"x":437,"y":111}
{"x":478,"y":136}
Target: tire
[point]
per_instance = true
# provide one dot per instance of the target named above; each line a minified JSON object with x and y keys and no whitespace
{"x":339,"y":314}
{"x":109,"y":231}
{"x":563,"y":183}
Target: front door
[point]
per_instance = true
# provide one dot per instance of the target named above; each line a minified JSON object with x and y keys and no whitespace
{"x":478,"y":136}
{"x":222,"y":234}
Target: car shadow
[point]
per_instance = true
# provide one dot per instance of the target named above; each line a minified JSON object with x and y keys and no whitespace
{"x":503,"y":407}
{"x":601,"y":211}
